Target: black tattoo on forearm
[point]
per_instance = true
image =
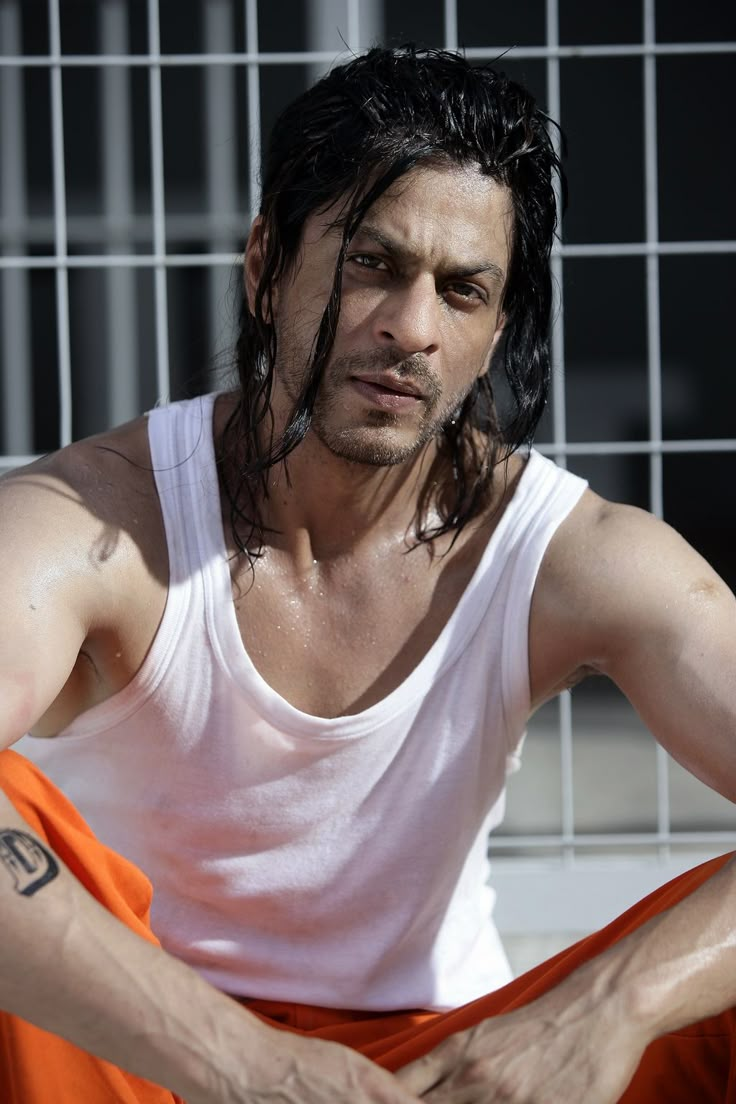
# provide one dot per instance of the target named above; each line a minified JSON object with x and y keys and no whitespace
{"x":31,"y":865}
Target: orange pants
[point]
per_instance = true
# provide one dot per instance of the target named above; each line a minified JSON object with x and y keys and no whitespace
{"x":694,"y":1066}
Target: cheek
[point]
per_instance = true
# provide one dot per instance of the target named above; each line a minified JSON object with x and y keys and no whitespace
{"x":297,"y":323}
{"x":357,"y":308}
{"x":470,"y":346}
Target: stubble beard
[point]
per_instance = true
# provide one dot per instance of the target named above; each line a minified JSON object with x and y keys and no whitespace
{"x":380,"y":439}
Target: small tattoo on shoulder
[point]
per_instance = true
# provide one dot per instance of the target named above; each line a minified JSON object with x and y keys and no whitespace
{"x":28,"y":862}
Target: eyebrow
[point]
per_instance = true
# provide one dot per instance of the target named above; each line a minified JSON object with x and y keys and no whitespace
{"x":404,"y":253}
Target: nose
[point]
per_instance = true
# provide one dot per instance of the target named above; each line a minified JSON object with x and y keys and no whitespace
{"x":409,"y":317}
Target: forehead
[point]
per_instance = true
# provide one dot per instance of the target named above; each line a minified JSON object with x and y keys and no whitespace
{"x":453,"y":208}
{"x":441,"y":215}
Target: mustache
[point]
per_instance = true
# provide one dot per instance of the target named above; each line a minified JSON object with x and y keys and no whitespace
{"x":415,"y":368}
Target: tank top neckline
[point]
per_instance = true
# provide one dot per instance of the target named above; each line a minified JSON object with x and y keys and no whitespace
{"x":231,"y":648}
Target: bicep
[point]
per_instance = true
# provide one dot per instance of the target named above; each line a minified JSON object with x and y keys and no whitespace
{"x":42,"y":608}
{"x":663,"y":627}
{"x":678,"y":671}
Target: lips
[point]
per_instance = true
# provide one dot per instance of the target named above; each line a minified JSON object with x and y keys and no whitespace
{"x":392,"y":385}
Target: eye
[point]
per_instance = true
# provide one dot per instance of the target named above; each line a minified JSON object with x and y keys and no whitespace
{"x":368,"y":260}
{"x":468,"y":293}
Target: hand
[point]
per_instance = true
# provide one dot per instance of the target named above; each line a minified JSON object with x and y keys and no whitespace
{"x":294,"y":1069}
{"x":550,"y":1051}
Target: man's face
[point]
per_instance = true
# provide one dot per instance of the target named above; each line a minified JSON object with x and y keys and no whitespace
{"x":421,"y":293}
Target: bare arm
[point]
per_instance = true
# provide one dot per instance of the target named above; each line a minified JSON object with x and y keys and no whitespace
{"x":146,"y":1012}
{"x":623,"y":594}
{"x":582,"y":1041}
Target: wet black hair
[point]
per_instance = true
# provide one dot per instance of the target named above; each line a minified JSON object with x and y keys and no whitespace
{"x":350,"y":137}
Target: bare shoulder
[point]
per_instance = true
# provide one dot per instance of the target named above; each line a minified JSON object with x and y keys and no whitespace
{"x":604,"y":544}
{"x":612,"y":576}
{"x":98,"y":495}
{"x":85,"y":521}
{"x":83,"y":577}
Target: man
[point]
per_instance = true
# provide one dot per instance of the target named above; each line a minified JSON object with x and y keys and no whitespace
{"x":287,"y":640}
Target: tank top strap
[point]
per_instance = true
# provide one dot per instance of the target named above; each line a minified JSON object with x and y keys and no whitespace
{"x":182,"y":456}
{"x":545,"y":497}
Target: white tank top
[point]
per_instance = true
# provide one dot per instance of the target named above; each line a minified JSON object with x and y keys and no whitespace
{"x":339,"y":862}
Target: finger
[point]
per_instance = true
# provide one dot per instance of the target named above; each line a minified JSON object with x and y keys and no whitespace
{"x":424,"y":1074}
{"x":460,"y":1094}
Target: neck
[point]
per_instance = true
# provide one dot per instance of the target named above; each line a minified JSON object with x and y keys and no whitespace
{"x":319,"y":506}
{"x":322,"y":507}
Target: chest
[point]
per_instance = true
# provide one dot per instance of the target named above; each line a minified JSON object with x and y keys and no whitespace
{"x":339,"y":639}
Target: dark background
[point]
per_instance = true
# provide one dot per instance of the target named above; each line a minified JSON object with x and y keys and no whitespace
{"x":605,"y":320}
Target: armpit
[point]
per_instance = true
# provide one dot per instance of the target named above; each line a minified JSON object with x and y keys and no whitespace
{"x":578,"y":675}
{"x":583,"y":672}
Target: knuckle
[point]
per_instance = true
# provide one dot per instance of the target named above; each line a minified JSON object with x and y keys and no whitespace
{"x":506,"y":1091}
{"x":478,"y":1070}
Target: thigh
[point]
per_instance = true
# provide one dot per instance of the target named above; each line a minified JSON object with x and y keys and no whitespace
{"x":35,"y":1066}
{"x":698,"y":1064}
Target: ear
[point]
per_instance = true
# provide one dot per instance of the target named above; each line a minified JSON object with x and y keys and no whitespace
{"x":497,"y":335}
{"x":255,"y":251}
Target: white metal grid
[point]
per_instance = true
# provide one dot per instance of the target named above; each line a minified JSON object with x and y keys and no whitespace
{"x":220,"y":60}
{"x":569,"y":842}
{"x":60,"y":229}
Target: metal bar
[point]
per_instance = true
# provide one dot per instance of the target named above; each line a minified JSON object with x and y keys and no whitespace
{"x":353,"y":35}
{"x":601,"y":839}
{"x":117,"y":187}
{"x":16,"y":414}
{"x":614,"y":448}
{"x":60,"y":230}
{"x":183,"y":227}
{"x":554,"y":108}
{"x":15,"y":384}
{"x":254,"y":109}
{"x":135,"y":229}
{"x":634,"y":49}
{"x":646,"y":249}
{"x":451,"y":24}
{"x":638,"y":448}
{"x":327,"y":57}
{"x":158,"y":205}
{"x":654,"y":357}
{"x":559,"y":423}
{"x":221,"y":188}
{"x":325,"y":28}
{"x":126,"y":260}
{"x":567,"y":788}
{"x":371,"y":29}
{"x":19,"y":461}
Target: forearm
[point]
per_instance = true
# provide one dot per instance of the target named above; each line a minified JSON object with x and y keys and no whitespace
{"x":680,"y":967}
{"x":677,"y":969}
{"x":68,"y":966}
{"x":583,"y":1039}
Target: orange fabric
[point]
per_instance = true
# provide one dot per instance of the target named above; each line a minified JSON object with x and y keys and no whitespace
{"x":698,"y":1064}
{"x":35,"y":1066}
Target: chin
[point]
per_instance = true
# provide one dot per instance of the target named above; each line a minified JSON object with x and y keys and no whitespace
{"x":373,"y":449}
